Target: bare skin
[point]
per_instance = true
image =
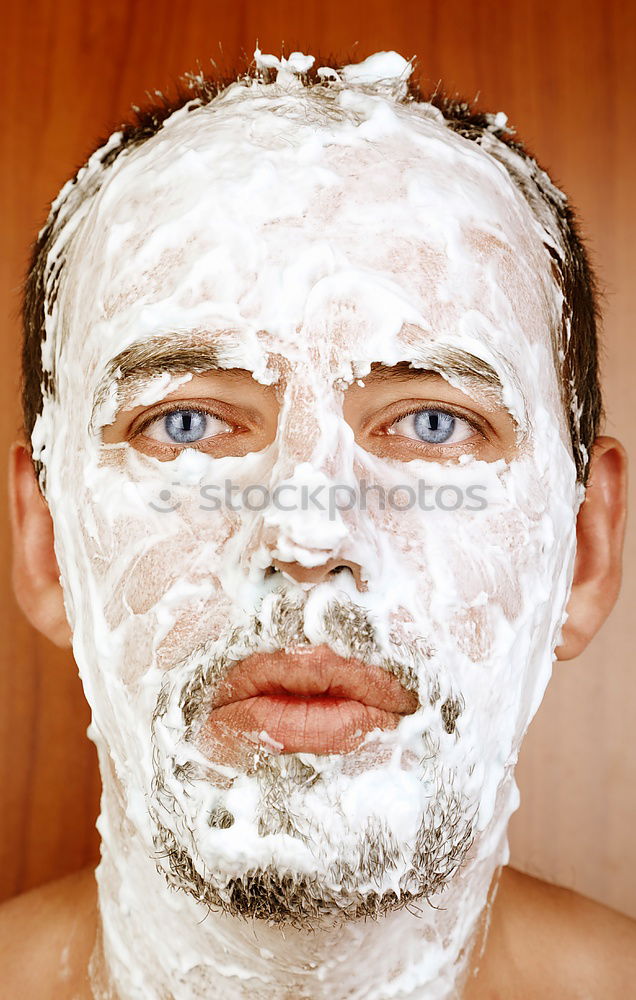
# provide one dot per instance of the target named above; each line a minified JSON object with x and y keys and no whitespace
{"x":543,"y":942}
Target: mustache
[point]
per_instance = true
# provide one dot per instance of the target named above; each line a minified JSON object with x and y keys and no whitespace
{"x":285,"y":620}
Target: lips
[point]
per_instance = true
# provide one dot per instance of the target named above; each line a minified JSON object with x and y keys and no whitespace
{"x":307,"y":700}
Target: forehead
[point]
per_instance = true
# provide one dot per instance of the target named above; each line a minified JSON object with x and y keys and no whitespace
{"x":245,"y":219}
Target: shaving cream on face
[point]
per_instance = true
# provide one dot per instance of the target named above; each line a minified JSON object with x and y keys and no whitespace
{"x":304,"y":246}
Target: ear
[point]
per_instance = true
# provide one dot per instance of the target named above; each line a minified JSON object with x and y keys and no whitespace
{"x":600,"y":529}
{"x":36,"y":577}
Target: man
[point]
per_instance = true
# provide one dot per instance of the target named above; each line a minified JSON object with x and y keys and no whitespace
{"x":311,"y":408}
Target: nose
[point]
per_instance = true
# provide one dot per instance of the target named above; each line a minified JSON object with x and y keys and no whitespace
{"x":318,"y":574}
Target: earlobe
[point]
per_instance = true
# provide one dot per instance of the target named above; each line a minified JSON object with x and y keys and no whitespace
{"x":36,"y":580}
{"x":600,"y":531}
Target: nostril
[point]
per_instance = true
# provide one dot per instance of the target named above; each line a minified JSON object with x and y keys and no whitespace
{"x":314,"y":574}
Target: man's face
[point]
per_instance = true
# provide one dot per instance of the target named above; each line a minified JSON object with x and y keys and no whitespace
{"x":313,"y":499}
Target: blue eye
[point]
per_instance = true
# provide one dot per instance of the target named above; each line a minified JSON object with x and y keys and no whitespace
{"x":185,"y":426}
{"x":431,"y":426}
{"x":434,"y":426}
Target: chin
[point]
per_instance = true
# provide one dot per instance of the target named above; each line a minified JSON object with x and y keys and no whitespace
{"x":300,"y":840}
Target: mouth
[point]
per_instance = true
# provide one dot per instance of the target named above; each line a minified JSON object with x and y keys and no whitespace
{"x":307,"y":700}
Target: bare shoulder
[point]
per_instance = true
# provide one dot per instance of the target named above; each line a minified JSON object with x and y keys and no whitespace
{"x":550,"y":942}
{"x":591,"y":932}
{"x":47,"y":936}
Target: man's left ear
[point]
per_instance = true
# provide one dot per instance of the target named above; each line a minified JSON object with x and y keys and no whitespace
{"x":36,"y":577}
{"x":600,"y":529}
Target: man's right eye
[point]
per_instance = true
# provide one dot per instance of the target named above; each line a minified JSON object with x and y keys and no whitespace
{"x":184,"y":426}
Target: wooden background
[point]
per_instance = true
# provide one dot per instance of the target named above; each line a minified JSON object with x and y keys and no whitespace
{"x":565,"y":73}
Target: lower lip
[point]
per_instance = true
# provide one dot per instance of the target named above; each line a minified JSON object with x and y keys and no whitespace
{"x":293,"y":724}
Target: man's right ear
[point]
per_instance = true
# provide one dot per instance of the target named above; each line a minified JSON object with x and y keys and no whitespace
{"x":36,"y":577}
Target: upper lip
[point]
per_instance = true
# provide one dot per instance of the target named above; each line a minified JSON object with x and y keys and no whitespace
{"x":313,"y":672}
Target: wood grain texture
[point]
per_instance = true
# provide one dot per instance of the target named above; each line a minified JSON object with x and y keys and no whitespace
{"x":565,"y":73}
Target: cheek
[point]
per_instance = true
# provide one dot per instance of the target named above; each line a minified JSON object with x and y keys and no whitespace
{"x":465,"y":578}
{"x":194,"y":625}
{"x":492,"y":556}
{"x":164,"y":603}
{"x":153,"y":573}
{"x":145,"y":579}
{"x":471,"y":631}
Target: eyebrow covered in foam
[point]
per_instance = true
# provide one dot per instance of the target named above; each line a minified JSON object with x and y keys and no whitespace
{"x":162,"y":357}
{"x":463,"y":370}
{"x":458,"y":364}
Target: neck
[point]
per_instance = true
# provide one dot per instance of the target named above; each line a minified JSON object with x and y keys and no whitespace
{"x":156,"y":942}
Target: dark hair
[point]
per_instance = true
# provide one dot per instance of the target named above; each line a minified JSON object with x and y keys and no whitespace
{"x":576,"y":352}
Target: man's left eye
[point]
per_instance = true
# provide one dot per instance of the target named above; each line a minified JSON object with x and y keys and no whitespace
{"x":433,"y":427}
{"x":185,"y":426}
